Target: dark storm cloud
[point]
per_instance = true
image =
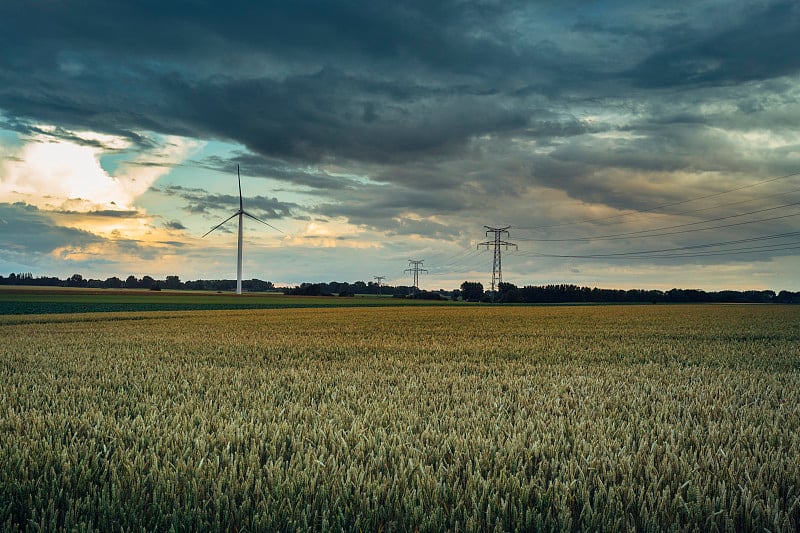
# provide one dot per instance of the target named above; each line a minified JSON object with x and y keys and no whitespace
{"x":395,"y":210}
{"x":454,"y":34}
{"x":624,"y":172}
{"x":760,"y":47}
{"x":26,"y":230}
{"x":259,"y":166}
{"x":381,"y":82}
{"x":331,"y":114}
{"x":200,"y":202}
{"x":376,"y":81}
{"x":414,"y":118}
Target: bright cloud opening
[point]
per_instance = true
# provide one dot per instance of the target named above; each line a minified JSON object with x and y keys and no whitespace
{"x":55,"y":174}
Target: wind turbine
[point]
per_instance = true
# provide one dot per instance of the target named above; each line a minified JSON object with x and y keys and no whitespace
{"x":240,"y":213}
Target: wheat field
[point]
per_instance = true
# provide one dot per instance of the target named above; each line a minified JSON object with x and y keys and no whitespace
{"x":609,"y":418}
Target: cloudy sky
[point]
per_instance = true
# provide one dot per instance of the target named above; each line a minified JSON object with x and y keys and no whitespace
{"x":626,"y":144}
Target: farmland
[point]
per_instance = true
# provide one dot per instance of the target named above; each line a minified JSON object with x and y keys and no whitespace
{"x":403,"y":418}
{"x":59,"y":300}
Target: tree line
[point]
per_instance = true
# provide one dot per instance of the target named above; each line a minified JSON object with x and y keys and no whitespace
{"x":344,"y":288}
{"x":470,"y":291}
{"x":132,"y":282}
{"x":564,"y":293}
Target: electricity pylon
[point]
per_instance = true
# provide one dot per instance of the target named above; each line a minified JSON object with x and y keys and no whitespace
{"x":379,"y":278}
{"x":414,"y":267}
{"x":497,"y":266}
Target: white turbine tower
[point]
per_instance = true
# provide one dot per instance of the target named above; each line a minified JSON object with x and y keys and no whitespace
{"x":240,"y":213}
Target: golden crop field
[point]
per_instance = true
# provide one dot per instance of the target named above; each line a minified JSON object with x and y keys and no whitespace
{"x":628,"y":418}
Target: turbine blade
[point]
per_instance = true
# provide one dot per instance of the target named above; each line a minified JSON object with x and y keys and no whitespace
{"x":259,"y":220}
{"x":220,"y":224}
{"x":240,"y":187}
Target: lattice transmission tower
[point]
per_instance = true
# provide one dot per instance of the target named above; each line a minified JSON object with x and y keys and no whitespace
{"x":379,"y":279}
{"x":497,"y":243}
{"x":415,"y":267}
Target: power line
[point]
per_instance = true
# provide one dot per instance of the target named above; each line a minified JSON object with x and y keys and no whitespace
{"x":464,"y":261}
{"x":454,"y":258}
{"x":475,"y":265}
{"x":497,"y":266}
{"x":736,"y":251}
{"x":650,"y":232}
{"x":465,"y":256}
{"x":708,"y":249}
{"x":471,"y":263}
{"x":667,"y":252}
{"x":662,"y":206}
{"x":728,"y":204}
{"x":458,"y":258}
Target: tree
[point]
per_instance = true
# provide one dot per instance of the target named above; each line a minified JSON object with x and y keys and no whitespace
{"x":427,"y":295}
{"x":131,"y":282}
{"x":509,"y":293}
{"x":113,"y":283}
{"x":256,"y":285}
{"x":787,"y":297}
{"x":76,"y":280}
{"x":173,"y":282}
{"x":472,"y":291}
{"x":309,"y":289}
